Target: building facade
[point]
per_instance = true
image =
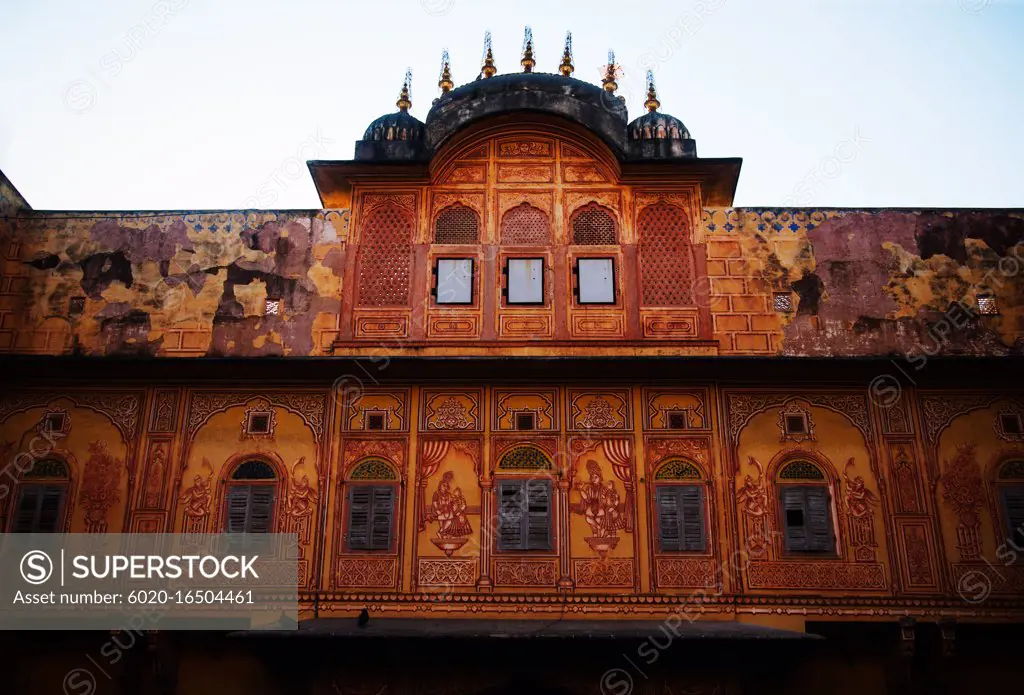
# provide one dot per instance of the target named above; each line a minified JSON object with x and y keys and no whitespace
{"x":529,"y":373}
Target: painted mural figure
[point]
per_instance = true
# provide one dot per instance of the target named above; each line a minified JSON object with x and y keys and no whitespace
{"x":599,"y":503}
{"x":448,"y":509}
{"x":754,"y":499}
{"x":197,"y":498}
{"x":301,"y":498}
{"x":859,"y":501}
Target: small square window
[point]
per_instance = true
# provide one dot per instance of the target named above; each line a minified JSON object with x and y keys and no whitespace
{"x":525,"y":280}
{"x":454,"y":281}
{"x":596,"y":277}
{"x":77,"y":306}
{"x":376,"y":421}
{"x":783,"y":302}
{"x":796,"y":424}
{"x":677,"y":420}
{"x":273,"y":307}
{"x":259,"y":423}
{"x":987,"y":305}
{"x":1011,"y":423}
{"x":54,"y":422}
{"x":526,"y":421}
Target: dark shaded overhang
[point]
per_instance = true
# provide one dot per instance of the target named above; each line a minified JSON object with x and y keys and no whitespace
{"x":334,"y":178}
{"x":422,"y":628}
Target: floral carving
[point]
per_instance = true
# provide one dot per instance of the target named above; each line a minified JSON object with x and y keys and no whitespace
{"x":434,"y":572}
{"x":164,"y":413}
{"x":815,"y":575}
{"x":963,"y":492}
{"x":451,"y":414}
{"x":370,"y":572}
{"x":688,"y":447}
{"x":684,"y":573}
{"x":100,"y":487}
{"x":524,"y":572}
{"x":525,"y":148}
{"x":598,"y":414}
{"x":607,"y":572}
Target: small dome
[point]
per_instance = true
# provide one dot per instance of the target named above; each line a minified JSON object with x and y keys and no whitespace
{"x":395,"y":126}
{"x":658,"y":126}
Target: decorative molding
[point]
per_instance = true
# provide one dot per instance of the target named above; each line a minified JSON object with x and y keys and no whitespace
{"x":939,"y":410}
{"x":684,"y":573}
{"x":101,"y":487}
{"x":311,"y":407}
{"x":122,"y":407}
{"x":822,"y":576}
{"x":606,"y":572}
{"x":440,"y":201}
{"x":520,"y":572}
{"x":158,"y":470}
{"x":743,"y":406}
{"x":792,"y":408}
{"x":695,"y":448}
{"x":448,"y":572}
{"x":402,"y":200}
{"x":164,"y":415}
{"x":963,"y":491}
{"x":378,"y":572}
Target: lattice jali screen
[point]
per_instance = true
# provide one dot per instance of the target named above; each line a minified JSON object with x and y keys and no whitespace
{"x":525,"y":224}
{"x":457,"y":224}
{"x":385,"y":256}
{"x":666,"y":265}
{"x":592,"y":225}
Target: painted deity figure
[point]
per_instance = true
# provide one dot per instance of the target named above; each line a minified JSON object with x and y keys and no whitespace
{"x":197,"y":498}
{"x":301,"y":498}
{"x":599,"y":502}
{"x":448,"y":509}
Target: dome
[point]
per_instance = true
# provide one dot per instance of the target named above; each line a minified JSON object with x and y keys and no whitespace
{"x":658,"y":126}
{"x":400,"y":125}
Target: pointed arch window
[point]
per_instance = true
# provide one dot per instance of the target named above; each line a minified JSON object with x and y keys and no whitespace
{"x":806,"y":505}
{"x":42,"y":493}
{"x":251,"y":491}
{"x":457,"y":224}
{"x":593,"y":224}
{"x":525,"y":225}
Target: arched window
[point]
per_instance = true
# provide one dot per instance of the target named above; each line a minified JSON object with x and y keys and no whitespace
{"x":1011,"y":495}
{"x":525,"y":225}
{"x":251,"y":491}
{"x":42,"y":491}
{"x":806,"y":505}
{"x":370,"y":517}
{"x":593,"y":225}
{"x":666,"y":266}
{"x":385,"y":256}
{"x":524,"y":504}
{"x":679,"y":501}
{"x":457,"y":224}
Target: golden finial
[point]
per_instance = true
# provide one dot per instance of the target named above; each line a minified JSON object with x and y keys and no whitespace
{"x":445,"y":82}
{"x":567,"y":68}
{"x":488,"y":70}
{"x":528,"y":62}
{"x":652,"y":102}
{"x":609,"y":83}
{"x":404,"y":102}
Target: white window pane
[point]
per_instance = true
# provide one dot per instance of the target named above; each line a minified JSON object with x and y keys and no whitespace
{"x":455,"y":281}
{"x":597,"y":281}
{"x":525,"y":281}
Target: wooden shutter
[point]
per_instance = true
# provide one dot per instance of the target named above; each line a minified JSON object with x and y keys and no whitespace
{"x":819,"y":520}
{"x":1013,"y":506}
{"x":381,"y":511}
{"x":360,"y":498}
{"x":692,"y":504}
{"x":238,"y":508}
{"x":796,"y":533}
{"x":681,"y":517}
{"x":538,"y":516}
{"x":261,"y":509}
{"x":511,"y":494}
{"x":38,"y":509}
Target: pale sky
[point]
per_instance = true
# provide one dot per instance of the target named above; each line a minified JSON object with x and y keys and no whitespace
{"x":196,"y":104}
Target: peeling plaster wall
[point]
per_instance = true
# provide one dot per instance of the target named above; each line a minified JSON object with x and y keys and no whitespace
{"x":866,"y":282}
{"x":862,"y":282}
{"x":178,"y":284}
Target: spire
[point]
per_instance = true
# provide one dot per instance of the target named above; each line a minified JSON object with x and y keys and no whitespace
{"x":528,"y":62}
{"x":488,"y":69}
{"x":609,"y":83}
{"x":404,"y":102}
{"x":652,"y":102}
{"x":445,"y":81}
{"x":567,"y":68}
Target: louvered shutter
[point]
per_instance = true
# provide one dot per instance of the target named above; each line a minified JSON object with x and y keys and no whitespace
{"x":28,"y":504}
{"x":360,"y":498}
{"x":691,"y":501}
{"x":382,"y":509}
{"x":238,"y":508}
{"x":261,"y":509}
{"x":511,"y":496}
{"x":669,"y":518}
{"x":38,"y":509}
{"x":795,"y":513}
{"x":50,"y":506}
{"x":819,"y":520}
{"x":1013,"y":505}
{"x":538,"y":517}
